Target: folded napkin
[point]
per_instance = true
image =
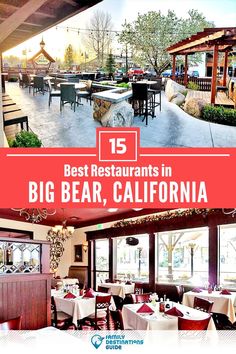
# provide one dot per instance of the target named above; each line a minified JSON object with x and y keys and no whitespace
{"x":174,"y":312}
{"x":197,"y":290}
{"x":145,"y":309}
{"x":69,"y":296}
{"x":89,"y":293}
{"x":225,"y":292}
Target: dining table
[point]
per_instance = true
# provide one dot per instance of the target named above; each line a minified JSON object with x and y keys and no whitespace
{"x":79,"y":307}
{"x":45,"y":78}
{"x":159,"y":320}
{"x":78,"y":85}
{"x":223,"y":304}
{"x":149,"y":83}
{"x":119,"y":289}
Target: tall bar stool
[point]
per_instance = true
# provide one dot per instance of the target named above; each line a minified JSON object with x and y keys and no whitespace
{"x":143,"y":101}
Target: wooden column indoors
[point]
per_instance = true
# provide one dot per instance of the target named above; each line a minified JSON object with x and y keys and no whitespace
{"x":173,"y":67}
{"x":214,"y":74}
{"x":152,"y":240}
{"x":213,"y":255}
{"x":185,"y":70}
{"x":225,"y":68}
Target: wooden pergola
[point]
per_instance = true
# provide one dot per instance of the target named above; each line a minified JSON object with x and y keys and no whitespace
{"x":210,"y":40}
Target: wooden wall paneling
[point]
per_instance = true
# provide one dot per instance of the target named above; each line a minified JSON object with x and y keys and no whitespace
{"x":26,"y":295}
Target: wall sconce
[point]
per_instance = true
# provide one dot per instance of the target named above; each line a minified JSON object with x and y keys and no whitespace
{"x":85,"y":247}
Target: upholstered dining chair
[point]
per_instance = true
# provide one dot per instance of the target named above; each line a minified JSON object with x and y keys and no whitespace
{"x":12,"y":324}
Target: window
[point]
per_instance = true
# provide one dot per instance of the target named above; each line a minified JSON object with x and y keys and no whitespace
{"x":227,"y":256}
{"x":101,"y":260}
{"x":182,"y":256}
{"x":133,"y":261}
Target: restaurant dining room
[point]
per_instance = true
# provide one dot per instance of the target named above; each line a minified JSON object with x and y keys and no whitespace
{"x":117,"y":269}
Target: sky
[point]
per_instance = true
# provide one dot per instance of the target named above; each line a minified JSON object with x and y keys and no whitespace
{"x":221,"y":12}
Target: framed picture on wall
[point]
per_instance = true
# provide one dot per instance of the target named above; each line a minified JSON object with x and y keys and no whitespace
{"x":78,"y":253}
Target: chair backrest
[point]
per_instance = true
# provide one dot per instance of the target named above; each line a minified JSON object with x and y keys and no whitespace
{"x":38,"y":82}
{"x":103,"y":302}
{"x":89,"y":85}
{"x":53,"y":311}
{"x":50,"y":85}
{"x":117,"y":319}
{"x":202,"y":304}
{"x":171,"y":291}
{"x":141,"y":298}
{"x":25,"y":79}
{"x":157,"y":86}
{"x":140,"y":91}
{"x":13,"y":324}
{"x":185,"y":324}
{"x":138,"y":288}
{"x":68,"y":93}
{"x":102,"y":289}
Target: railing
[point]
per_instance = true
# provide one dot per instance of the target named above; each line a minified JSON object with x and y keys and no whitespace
{"x":204,"y":84}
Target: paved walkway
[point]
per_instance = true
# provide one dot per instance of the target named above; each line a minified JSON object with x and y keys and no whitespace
{"x":171,"y":128}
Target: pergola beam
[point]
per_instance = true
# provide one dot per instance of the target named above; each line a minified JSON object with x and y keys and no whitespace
{"x":192,"y":42}
{"x":18,"y":17}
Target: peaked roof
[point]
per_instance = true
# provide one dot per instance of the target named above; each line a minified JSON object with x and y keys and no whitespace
{"x":42,"y":51}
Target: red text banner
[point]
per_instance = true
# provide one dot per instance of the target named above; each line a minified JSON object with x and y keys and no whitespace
{"x":118,"y":173}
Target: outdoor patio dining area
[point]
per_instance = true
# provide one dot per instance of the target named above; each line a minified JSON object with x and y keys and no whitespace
{"x":142,"y":270}
{"x":171,"y":126}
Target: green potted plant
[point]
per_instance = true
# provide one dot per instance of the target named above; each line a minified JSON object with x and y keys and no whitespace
{"x":25,"y":139}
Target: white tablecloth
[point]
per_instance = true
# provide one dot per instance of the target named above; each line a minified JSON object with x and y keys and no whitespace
{"x":158,"y":320}
{"x":222,"y":303}
{"x":78,"y":308}
{"x":119,"y":289}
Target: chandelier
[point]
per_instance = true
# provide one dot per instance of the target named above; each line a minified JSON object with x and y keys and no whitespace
{"x":62,"y":231}
{"x":35,"y":215}
{"x":229,"y":211}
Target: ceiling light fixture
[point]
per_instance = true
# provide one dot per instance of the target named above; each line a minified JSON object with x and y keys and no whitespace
{"x":35,"y":215}
{"x":62,"y":232}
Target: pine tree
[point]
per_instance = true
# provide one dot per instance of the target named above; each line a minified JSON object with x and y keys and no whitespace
{"x":110,"y":65}
{"x":69,"y":56}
